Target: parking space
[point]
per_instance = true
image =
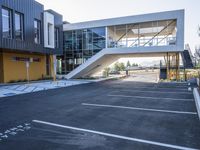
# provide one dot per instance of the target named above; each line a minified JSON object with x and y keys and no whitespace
{"x":110,"y":115}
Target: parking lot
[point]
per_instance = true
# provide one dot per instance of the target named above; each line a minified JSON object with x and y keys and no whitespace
{"x":110,"y":115}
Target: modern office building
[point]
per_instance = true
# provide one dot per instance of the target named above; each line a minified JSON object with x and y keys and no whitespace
{"x":91,"y":46}
{"x":29,"y":39}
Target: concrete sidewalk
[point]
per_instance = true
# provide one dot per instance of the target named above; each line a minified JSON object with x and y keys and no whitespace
{"x":21,"y":88}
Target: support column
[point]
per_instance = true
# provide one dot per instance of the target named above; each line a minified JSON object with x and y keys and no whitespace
{"x":177,"y":66}
{"x":107,"y":40}
{"x":52,"y":67}
{"x":168,"y":66}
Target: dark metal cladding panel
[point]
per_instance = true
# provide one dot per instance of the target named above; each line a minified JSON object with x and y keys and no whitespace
{"x":31,"y":10}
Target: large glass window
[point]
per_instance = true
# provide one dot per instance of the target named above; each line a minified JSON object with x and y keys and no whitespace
{"x":37,"y":31}
{"x":68,"y":42}
{"x":155,"y":33}
{"x":19,"y":22}
{"x":98,"y":39}
{"x":80,"y":45}
{"x":86,"y":39}
{"x":7,"y":23}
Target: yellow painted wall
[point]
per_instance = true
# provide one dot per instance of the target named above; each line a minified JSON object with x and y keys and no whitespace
{"x":1,"y":67}
{"x":16,"y":70}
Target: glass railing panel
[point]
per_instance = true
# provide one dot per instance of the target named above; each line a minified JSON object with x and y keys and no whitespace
{"x":144,"y":42}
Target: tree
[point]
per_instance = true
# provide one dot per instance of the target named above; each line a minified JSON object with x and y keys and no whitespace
{"x":134,"y":65}
{"x":106,"y":72}
{"x":197,"y":50}
{"x":128,"y":64}
{"x":116,"y":66}
{"x":122,"y":66}
{"x":119,"y":66}
{"x":197,"y":55}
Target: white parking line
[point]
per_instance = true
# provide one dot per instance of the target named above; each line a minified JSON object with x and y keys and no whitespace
{"x":165,"y":92}
{"x":138,"y":108}
{"x":115,"y":136}
{"x":156,"y":88}
{"x":160,"y":98}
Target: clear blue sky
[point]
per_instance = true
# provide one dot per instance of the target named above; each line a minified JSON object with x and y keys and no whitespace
{"x":85,"y":10}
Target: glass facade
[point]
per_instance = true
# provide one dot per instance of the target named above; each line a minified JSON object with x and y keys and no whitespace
{"x":80,"y":45}
{"x":155,"y":33}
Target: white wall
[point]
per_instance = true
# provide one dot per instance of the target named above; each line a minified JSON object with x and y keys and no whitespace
{"x":49,"y":20}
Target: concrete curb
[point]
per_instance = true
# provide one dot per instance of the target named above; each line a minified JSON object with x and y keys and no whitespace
{"x":197,"y":100}
{"x":110,"y":78}
{"x":98,"y":80}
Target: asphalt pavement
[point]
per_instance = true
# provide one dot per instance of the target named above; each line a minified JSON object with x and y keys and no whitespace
{"x":109,"y":115}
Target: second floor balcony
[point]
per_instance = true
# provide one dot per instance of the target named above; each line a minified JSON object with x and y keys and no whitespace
{"x":155,"y":33}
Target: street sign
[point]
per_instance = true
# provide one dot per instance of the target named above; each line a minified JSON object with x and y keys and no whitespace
{"x":31,"y":60}
{"x":27,"y":64}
